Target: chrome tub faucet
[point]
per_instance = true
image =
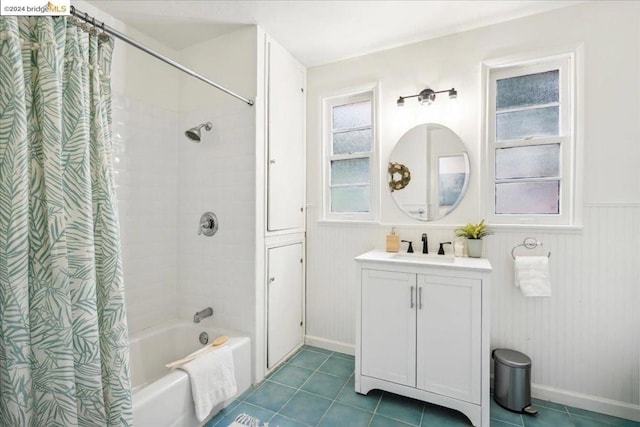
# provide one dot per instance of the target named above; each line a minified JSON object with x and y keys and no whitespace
{"x":207,"y":312}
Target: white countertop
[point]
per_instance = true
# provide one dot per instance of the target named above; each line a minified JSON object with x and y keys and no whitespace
{"x":417,"y":260}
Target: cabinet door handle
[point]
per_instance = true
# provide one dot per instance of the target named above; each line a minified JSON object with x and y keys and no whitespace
{"x":411,"y":296}
{"x":420,"y":298}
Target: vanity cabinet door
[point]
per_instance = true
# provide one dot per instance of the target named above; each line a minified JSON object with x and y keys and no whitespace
{"x":449,"y":336}
{"x":388,"y":339}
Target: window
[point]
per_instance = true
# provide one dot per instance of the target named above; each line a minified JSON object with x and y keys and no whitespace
{"x":350,"y":167}
{"x":530,"y":143}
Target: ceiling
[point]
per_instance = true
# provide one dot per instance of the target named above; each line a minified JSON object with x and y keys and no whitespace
{"x":318,"y":31}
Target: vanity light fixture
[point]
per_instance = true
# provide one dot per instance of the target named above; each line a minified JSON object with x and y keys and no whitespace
{"x":427,"y":96}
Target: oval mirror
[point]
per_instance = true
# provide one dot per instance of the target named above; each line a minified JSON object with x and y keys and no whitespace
{"x":428,"y":171}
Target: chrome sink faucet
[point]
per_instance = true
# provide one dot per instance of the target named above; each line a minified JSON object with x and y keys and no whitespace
{"x":207,"y":312}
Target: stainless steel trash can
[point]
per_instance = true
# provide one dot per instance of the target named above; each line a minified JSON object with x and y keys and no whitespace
{"x":512,"y":380}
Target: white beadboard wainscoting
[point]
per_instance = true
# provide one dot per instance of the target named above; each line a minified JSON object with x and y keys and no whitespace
{"x":583,"y":341}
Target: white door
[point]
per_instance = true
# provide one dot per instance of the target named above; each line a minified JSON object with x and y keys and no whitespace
{"x":388,"y":337}
{"x":286,"y":112}
{"x":449,"y":336}
{"x":284,"y":302}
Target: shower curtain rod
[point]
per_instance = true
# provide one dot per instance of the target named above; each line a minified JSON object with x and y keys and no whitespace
{"x":107,"y":29}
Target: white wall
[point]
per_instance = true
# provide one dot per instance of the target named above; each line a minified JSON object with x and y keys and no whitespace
{"x":219,"y":175}
{"x":134,"y":73}
{"x":166,"y":182}
{"x":145,"y":119}
{"x":229,"y":60}
{"x":584,"y":341}
{"x":144,"y":137}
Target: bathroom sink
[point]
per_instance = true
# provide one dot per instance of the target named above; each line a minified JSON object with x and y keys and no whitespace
{"x":427,"y":258}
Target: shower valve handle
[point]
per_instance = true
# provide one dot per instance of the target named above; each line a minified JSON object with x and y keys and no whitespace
{"x":208,"y":224}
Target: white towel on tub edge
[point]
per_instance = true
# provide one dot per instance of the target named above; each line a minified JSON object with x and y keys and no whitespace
{"x":213,"y":380}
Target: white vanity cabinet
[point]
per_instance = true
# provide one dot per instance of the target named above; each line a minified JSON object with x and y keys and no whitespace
{"x":423,"y":330}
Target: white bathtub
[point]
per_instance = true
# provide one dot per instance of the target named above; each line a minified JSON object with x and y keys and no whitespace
{"x":161,"y":397}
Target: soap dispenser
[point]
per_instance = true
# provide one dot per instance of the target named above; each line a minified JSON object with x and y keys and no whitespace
{"x":393,"y":241}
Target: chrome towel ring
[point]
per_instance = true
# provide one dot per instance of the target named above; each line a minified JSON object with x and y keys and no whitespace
{"x":529,"y":243}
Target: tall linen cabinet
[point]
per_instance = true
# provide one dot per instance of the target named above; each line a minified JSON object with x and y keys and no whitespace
{"x":282,"y":226}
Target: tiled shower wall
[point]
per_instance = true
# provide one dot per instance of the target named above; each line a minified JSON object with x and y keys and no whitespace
{"x":166,"y":182}
{"x":146,"y":167}
{"x":218,"y":175}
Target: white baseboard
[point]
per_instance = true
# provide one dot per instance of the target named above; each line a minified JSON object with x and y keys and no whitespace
{"x":588,"y":402}
{"x":331,"y":345}
{"x":564,"y":397}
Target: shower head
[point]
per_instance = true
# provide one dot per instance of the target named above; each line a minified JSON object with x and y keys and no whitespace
{"x":194,"y":133}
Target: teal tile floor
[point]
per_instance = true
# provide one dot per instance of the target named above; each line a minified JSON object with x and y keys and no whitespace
{"x":315,"y":387}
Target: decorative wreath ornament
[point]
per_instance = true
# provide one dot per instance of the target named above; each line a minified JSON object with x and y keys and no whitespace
{"x":405,"y":176}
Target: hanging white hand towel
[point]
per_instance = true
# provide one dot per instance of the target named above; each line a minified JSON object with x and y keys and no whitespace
{"x":213,"y":380}
{"x":532,"y":276}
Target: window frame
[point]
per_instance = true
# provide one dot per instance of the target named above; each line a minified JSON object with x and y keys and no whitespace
{"x":566,"y":63}
{"x":350,"y":97}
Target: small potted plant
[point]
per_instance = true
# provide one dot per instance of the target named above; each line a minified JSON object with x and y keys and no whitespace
{"x":473,"y":233}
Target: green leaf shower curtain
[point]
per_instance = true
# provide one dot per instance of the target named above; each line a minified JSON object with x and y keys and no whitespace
{"x":64,"y":357}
